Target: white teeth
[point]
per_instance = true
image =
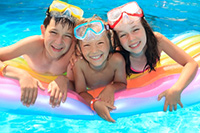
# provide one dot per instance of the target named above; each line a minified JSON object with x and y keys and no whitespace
{"x":56,"y":48}
{"x":95,"y":57}
{"x":134,"y":45}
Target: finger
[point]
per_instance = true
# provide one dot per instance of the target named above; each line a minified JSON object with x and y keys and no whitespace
{"x":109,"y":118}
{"x":175,"y":107}
{"x":30,"y":96}
{"x":180,"y":103}
{"x":110,"y":106}
{"x":170,"y":108}
{"x":165,"y":106}
{"x":41,"y":86}
{"x":27,"y":99}
{"x":59,"y":99}
{"x":52,"y":95}
{"x":49,"y":88}
{"x":26,"y":96}
{"x":103,"y":117}
{"x":160,"y":96}
{"x":22,"y":95}
{"x":56,"y":97}
{"x":34,"y":96}
{"x":64,"y":97}
{"x":71,"y":62}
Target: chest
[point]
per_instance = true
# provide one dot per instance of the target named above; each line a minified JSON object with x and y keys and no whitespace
{"x":43,"y":66}
{"x":138,"y":64}
{"x":98,"y":79}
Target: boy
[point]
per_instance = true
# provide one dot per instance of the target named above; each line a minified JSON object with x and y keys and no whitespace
{"x":47,"y":54}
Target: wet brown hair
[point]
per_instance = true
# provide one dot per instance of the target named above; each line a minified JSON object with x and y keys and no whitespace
{"x":62,"y":20}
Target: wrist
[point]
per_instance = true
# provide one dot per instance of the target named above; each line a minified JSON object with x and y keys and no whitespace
{"x":92,"y":103}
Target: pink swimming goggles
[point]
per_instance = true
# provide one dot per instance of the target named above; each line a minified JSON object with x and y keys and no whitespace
{"x":116,"y":14}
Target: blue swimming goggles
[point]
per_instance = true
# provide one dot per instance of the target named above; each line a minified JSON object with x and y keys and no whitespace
{"x":89,"y":30}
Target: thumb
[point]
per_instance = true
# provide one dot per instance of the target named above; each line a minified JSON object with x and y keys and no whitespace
{"x":110,"y":106}
{"x":41,"y":86}
{"x":160,"y":96}
{"x":49,"y":88}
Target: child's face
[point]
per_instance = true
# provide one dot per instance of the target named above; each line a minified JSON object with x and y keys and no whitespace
{"x":132,"y":36}
{"x":96,"y":51}
{"x":57,"y":39}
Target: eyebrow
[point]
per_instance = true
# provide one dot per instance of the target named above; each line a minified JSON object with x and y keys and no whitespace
{"x":131,"y":28}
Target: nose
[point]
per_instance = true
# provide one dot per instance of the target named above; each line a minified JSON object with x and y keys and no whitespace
{"x":131,"y":37}
{"x":94,"y":49}
{"x":59,"y":40}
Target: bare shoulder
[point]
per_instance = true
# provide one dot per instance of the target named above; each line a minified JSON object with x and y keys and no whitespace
{"x":159,"y":36}
{"x":37,"y":40}
{"x":32,"y":44}
{"x":117,"y":58}
{"x":80,"y":63}
{"x":163,"y":41}
{"x":28,"y":46}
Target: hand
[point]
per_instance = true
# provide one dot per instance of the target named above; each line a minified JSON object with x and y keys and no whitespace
{"x":107,"y":95}
{"x":58,"y":90}
{"x":172,"y":97}
{"x":102,"y":110}
{"x":74,"y":58}
{"x":29,"y":89}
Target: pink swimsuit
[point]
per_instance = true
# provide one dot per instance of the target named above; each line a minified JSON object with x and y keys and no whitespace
{"x":135,"y":71}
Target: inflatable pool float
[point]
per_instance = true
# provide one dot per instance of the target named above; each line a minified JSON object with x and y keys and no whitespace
{"x":139,"y":97}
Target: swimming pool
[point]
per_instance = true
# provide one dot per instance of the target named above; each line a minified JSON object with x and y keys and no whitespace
{"x":22,"y":18}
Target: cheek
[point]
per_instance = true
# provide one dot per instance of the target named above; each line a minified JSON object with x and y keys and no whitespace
{"x":84,"y":51}
{"x":68,"y":42}
{"x":144,"y":37}
{"x":123,"y":41}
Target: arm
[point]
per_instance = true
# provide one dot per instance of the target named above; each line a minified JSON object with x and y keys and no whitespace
{"x":80,"y":83}
{"x":119,"y":81}
{"x":28,"y":84}
{"x":80,"y":86}
{"x":28,"y":46}
{"x":58,"y":90}
{"x":188,"y":72}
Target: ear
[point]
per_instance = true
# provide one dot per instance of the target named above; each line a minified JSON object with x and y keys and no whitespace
{"x":42,"y":30}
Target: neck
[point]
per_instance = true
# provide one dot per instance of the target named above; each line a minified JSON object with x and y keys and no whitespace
{"x":98,"y":68}
{"x":139,"y":55}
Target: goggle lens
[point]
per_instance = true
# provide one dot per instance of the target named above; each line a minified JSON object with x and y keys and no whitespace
{"x":65,"y":10}
{"x":96,"y":27}
{"x":115,"y":15}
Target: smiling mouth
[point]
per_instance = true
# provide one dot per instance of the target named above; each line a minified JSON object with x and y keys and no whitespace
{"x":96,"y":57}
{"x":135,"y":45}
{"x":56,"y":49}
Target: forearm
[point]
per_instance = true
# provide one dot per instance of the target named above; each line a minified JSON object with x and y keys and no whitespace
{"x":187,"y":75}
{"x":117,"y":86}
{"x":13,"y":72}
{"x":86,"y":96}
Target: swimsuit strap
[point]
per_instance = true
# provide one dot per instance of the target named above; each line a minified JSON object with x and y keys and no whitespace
{"x":136,"y":71}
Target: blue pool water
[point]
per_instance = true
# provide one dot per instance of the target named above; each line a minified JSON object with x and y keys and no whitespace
{"x":22,"y":18}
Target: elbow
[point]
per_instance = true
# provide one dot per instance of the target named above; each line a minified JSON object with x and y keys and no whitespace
{"x":196,"y":65}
